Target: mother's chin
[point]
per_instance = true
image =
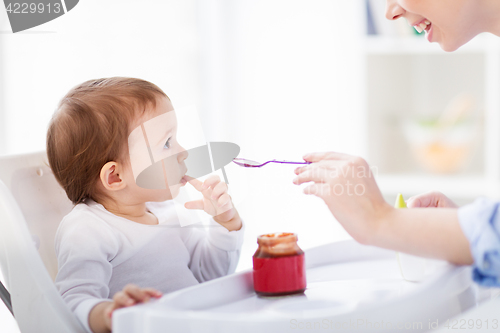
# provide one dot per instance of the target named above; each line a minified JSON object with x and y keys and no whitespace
{"x":449,"y":47}
{"x":453,"y":44}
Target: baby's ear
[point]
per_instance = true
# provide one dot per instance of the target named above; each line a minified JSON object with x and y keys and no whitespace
{"x":110,"y":176}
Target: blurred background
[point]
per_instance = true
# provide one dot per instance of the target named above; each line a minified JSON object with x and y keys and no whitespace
{"x":280,"y":78}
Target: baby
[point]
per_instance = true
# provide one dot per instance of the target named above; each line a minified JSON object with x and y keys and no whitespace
{"x":122,"y":244}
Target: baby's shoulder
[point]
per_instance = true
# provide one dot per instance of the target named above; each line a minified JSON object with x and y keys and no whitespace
{"x":81,"y":214}
{"x":83,"y":233}
{"x":83,"y":221}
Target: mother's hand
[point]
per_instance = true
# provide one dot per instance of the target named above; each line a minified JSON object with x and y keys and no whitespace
{"x":431,"y":199}
{"x":347,"y":186}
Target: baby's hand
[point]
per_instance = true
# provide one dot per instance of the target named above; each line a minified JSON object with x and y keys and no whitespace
{"x":216,"y":201}
{"x":130,"y":295}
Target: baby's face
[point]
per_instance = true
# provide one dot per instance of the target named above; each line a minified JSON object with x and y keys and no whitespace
{"x":153,"y":141}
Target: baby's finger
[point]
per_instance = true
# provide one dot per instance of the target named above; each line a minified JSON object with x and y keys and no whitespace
{"x":210,"y":181}
{"x":122,"y":299}
{"x":196,"y":204}
{"x":143,"y":295}
{"x":136,"y":293}
{"x":316,"y":157}
{"x":218,"y":190}
{"x":224,"y":209}
{"x":152,"y":292}
{"x":224,"y":199}
{"x":195,"y":182}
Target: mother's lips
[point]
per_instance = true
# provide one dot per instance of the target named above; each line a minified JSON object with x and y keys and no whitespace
{"x":421,"y":25}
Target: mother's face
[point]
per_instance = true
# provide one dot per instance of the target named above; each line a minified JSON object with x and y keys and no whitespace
{"x":452,"y":22}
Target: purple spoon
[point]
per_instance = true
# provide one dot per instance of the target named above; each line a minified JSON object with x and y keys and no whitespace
{"x":252,"y":164}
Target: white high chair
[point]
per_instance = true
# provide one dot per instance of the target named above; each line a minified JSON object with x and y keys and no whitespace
{"x":31,"y":206}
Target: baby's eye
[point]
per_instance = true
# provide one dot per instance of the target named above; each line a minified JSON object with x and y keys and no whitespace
{"x":167,"y":144}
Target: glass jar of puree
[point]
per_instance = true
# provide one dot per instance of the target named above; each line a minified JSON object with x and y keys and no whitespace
{"x":278,"y":265}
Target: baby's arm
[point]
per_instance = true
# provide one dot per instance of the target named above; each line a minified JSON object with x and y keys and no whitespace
{"x":84,"y":247}
{"x":216,"y":254}
{"x":213,"y":253}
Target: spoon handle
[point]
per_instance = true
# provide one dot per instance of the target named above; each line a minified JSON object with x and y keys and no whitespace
{"x":289,"y":162}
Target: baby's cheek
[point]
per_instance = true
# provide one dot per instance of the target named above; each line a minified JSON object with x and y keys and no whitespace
{"x":174,"y":191}
{"x":172,"y":170}
{"x":138,"y":152}
{"x":160,"y":195}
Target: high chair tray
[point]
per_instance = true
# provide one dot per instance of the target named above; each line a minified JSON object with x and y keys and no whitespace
{"x":350,"y":287}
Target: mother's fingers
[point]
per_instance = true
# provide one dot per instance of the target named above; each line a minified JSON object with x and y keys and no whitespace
{"x":430,"y":199}
{"x":316,"y":157}
{"x":317,"y":175}
{"x":324,"y":164}
{"x":300,"y":169}
{"x":317,"y":189}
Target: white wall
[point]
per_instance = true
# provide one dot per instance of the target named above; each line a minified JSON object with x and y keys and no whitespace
{"x":153,"y":40}
{"x":287,"y":66}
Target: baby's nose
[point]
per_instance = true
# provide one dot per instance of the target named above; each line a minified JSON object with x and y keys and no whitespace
{"x":183,"y":155}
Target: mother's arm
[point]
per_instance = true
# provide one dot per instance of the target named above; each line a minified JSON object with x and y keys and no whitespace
{"x":347,"y":185}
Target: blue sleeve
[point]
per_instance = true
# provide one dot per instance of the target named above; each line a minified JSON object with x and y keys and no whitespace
{"x":480,"y":222}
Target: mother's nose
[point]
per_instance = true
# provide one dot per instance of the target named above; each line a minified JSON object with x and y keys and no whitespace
{"x":393,"y":10}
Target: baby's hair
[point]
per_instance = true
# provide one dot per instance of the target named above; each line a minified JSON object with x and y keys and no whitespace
{"x":91,"y":127}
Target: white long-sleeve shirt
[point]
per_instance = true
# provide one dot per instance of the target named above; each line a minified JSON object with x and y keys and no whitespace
{"x":99,"y":253}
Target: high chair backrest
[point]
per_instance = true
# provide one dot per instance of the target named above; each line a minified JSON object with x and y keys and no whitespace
{"x":42,"y":201}
{"x":31,"y":206}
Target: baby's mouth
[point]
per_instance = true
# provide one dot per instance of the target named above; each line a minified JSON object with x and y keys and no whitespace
{"x":422,"y":25}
